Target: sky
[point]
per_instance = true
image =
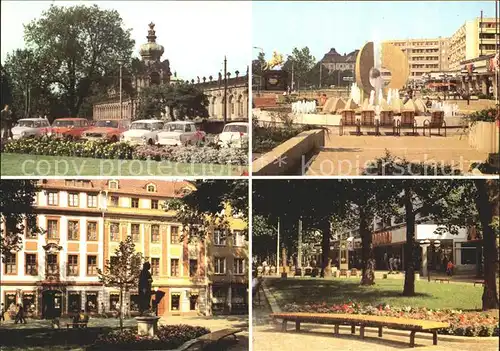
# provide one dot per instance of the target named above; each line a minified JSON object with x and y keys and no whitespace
{"x":347,"y":25}
{"x":195,"y":35}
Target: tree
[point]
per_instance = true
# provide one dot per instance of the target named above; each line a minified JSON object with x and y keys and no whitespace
{"x":184,"y":98}
{"x":301,"y":61}
{"x":259,"y":63}
{"x":206,"y":206}
{"x":488,"y":205}
{"x":77,"y":46}
{"x":6,"y":90}
{"x":122,"y":270}
{"x":17,"y":200}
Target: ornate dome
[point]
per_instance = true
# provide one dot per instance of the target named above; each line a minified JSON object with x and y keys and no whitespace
{"x":151,"y":51}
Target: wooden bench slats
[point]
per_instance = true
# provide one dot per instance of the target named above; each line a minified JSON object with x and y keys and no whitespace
{"x":396,"y":322}
{"x":219,"y":334}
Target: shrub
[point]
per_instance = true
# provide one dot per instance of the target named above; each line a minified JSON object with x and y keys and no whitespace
{"x":461,"y":323}
{"x":486,"y":115}
{"x":173,"y":336}
{"x":123,"y":151}
{"x":168,"y":337}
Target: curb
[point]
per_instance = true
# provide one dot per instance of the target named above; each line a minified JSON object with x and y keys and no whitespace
{"x":275,"y":308}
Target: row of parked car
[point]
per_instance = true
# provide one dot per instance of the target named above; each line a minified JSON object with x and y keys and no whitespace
{"x":141,"y":132}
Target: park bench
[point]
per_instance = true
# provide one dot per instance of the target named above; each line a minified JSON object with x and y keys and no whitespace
{"x":437,"y":121}
{"x":480,"y":282}
{"x":349,"y":119}
{"x":407,"y":121}
{"x":345,"y":273}
{"x":442,"y":280}
{"x":362,"y":321}
{"x":212,"y":340}
{"x":74,"y":325}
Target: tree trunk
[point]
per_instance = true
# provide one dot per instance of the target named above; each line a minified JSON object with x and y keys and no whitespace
{"x":487,"y":211}
{"x":368,"y":276}
{"x":325,"y":247}
{"x":121,"y":308}
{"x":409,"y":287}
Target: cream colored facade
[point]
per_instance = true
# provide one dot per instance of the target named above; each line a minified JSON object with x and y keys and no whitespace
{"x":87,"y":219}
{"x":424,"y":55}
{"x":473,"y":39}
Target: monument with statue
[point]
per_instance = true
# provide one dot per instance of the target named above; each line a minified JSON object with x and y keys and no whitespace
{"x":274,"y":77}
{"x":147,"y":321}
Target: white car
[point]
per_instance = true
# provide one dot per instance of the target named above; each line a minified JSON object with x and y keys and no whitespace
{"x":180,"y":133}
{"x":143,"y":132}
{"x":234,"y":135}
{"x":31,"y":127}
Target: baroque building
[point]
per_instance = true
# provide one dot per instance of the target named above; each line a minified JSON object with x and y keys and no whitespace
{"x":155,"y":71}
{"x":56,"y":273}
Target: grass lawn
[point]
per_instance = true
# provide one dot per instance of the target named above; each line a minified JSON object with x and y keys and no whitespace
{"x":36,"y":165}
{"x":432,"y":295}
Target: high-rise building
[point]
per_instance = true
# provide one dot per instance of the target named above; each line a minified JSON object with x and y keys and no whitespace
{"x":473,"y":39}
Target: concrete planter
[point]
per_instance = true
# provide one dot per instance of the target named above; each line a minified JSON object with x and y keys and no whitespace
{"x":484,"y":136}
{"x":147,"y":325}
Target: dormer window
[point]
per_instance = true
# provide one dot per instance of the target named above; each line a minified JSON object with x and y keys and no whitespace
{"x":113,"y":184}
{"x":151,"y":188}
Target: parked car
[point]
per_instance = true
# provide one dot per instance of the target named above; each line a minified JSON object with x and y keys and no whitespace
{"x":71,"y":128}
{"x":143,"y":132}
{"x":180,"y":133}
{"x":106,"y":130}
{"x":234,"y":135}
{"x":31,"y":127}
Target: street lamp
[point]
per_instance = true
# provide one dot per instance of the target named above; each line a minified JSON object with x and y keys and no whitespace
{"x":121,"y":62}
{"x":424,"y":244}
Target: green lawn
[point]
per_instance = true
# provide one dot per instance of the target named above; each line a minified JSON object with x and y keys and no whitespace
{"x":432,"y":295}
{"x":36,"y":165}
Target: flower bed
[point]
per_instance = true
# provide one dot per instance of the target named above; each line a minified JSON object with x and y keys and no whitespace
{"x":106,"y":150}
{"x":265,"y":139}
{"x":462,"y":323}
{"x":168,"y":337}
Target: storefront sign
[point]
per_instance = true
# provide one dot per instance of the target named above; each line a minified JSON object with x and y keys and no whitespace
{"x":383,"y":238}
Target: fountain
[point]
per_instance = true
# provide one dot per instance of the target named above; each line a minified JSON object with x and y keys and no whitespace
{"x":303,"y":107}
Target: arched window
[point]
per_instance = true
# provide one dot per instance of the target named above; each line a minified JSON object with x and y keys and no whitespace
{"x":113,"y":184}
{"x":151,"y":188}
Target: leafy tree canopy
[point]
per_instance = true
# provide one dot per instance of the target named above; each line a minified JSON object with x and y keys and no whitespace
{"x":77,"y":46}
{"x":185,"y":99}
{"x":17,"y":200}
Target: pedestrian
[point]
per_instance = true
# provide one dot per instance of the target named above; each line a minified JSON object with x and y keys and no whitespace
{"x":391,"y":264}
{"x":386,"y":261}
{"x":20,"y":314}
{"x":2,"y":312}
{"x":449,"y":268}
{"x":6,"y":122}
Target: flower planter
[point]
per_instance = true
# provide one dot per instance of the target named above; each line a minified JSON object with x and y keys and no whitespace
{"x":484,"y":136}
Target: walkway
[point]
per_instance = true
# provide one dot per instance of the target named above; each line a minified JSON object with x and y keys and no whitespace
{"x":349,"y":154}
{"x":316,"y":337}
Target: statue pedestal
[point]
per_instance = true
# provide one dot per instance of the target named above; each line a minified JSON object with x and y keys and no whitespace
{"x":147,"y":325}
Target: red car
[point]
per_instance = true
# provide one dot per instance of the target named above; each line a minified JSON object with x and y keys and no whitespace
{"x":106,"y":130}
{"x":71,"y":128}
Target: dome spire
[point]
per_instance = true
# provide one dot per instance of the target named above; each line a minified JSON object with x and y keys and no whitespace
{"x":151,"y":51}
{"x":151,"y":33}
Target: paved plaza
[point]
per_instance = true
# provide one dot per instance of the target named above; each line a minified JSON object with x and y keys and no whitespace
{"x":213,"y":323}
{"x":347,"y":155}
{"x":315,"y":337}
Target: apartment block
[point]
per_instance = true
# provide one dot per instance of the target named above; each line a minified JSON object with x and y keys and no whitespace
{"x":473,"y":39}
{"x":424,"y":55}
